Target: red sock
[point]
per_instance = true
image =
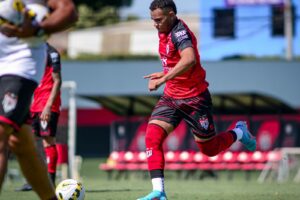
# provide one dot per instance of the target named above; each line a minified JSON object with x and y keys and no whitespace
{"x":51,"y":156}
{"x":155,"y":136}
{"x":219,"y":143}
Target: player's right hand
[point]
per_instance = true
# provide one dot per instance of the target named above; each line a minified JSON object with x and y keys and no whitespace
{"x":27,"y":29}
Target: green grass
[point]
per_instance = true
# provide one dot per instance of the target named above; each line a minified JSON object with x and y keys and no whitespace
{"x":99,"y":188}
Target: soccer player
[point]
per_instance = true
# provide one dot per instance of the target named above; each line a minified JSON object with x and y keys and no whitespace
{"x":21,"y":67}
{"x":45,"y":110}
{"x":186,"y":97}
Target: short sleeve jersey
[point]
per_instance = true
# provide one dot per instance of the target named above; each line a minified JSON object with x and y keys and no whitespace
{"x":192,"y":82}
{"x":43,"y":91}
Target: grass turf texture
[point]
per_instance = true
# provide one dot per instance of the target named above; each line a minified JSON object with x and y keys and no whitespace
{"x":99,"y":188}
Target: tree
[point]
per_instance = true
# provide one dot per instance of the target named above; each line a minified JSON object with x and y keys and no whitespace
{"x":97,"y":13}
{"x":97,"y":5}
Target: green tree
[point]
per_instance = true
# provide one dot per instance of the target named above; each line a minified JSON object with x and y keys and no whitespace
{"x":98,"y":4}
{"x":99,"y":12}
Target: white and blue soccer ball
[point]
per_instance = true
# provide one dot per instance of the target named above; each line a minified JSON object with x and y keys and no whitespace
{"x":70,"y":189}
{"x":11,"y":11}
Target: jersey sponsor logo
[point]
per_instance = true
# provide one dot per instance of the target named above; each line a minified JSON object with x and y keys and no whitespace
{"x":9,"y":102}
{"x":181,"y":35}
{"x":203,"y":120}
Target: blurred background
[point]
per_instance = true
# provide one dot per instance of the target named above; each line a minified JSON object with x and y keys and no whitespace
{"x":249,"y":49}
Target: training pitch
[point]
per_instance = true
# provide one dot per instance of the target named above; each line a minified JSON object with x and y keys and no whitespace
{"x":99,"y":188}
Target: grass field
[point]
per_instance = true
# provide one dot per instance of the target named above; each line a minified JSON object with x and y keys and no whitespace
{"x":99,"y":188}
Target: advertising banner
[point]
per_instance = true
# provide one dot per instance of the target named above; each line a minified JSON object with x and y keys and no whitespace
{"x":253,"y":2}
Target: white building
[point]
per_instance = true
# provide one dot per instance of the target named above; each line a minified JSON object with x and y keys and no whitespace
{"x":126,"y":38}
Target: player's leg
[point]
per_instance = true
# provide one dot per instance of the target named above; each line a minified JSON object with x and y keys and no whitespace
{"x":206,"y":138}
{"x":51,"y":156}
{"x":201,"y":121}
{"x":16,"y":93}
{"x":156,"y":133}
{"x":4,"y":129}
{"x":163,"y":120}
{"x":48,"y":133}
{"x":32,"y":165}
{"x":8,"y":103}
{"x":35,"y":123}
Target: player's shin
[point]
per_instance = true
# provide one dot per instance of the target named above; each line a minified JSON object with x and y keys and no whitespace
{"x":51,"y":155}
{"x":31,"y":163}
{"x":155,"y":136}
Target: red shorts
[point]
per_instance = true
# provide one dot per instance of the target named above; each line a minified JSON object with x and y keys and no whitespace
{"x":196,"y":111}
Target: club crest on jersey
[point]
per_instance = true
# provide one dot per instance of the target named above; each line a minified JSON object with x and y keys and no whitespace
{"x":164,"y":62}
{"x":9,"y":102}
{"x":54,"y":56}
{"x":44,"y":124}
{"x":203,"y":120}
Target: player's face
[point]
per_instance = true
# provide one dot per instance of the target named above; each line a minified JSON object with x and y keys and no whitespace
{"x":163,"y":20}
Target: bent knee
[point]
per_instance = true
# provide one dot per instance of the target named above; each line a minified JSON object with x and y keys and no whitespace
{"x":207,"y":147}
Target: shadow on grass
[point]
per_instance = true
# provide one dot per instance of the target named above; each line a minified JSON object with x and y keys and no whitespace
{"x":109,"y":190}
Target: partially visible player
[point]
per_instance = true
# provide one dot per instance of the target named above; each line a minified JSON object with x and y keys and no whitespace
{"x":186,"y":97}
{"x":21,"y":67}
{"x":63,"y":15}
{"x":45,"y":110}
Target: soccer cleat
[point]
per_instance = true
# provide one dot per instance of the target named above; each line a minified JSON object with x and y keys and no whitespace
{"x":155,"y":195}
{"x":247,"y":139}
{"x":26,"y":187}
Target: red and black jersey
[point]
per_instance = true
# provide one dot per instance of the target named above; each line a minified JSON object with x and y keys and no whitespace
{"x":192,"y":82}
{"x":42,"y":93}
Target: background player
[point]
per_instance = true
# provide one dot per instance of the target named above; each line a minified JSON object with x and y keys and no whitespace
{"x":45,"y":110}
{"x":21,"y":67}
{"x":186,"y":97}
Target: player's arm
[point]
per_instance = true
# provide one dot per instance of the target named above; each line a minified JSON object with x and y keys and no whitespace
{"x":55,"y":63}
{"x":56,"y":76}
{"x":63,"y":16}
{"x":188,"y":59}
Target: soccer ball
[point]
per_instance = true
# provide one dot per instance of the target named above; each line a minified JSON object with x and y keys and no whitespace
{"x":70,"y":189}
{"x":11,"y":12}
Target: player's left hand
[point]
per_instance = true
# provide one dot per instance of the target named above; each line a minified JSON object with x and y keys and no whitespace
{"x":27,"y":29}
{"x":45,"y":116}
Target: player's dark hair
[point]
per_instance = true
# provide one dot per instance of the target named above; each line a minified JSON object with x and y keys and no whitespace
{"x":163,"y":4}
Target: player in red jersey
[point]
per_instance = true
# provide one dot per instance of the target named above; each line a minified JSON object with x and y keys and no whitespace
{"x":45,"y":110}
{"x":186,"y":97}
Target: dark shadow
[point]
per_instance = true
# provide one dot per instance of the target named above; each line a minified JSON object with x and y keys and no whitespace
{"x":109,"y":190}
